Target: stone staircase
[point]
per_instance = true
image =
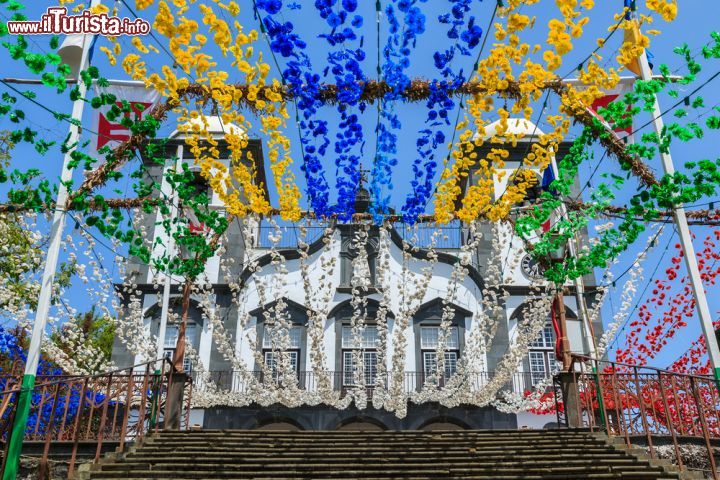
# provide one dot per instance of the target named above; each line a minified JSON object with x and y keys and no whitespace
{"x":276,"y":455}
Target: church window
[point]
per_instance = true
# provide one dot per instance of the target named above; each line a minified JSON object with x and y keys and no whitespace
{"x":429,"y":339}
{"x":347,"y":255}
{"x":541,"y":357}
{"x":534,"y":191}
{"x":368,"y":355}
{"x":172,"y":332}
{"x":272,"y":355}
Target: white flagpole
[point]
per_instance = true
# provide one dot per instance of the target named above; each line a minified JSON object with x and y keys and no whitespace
{"x":51,"y":260}
{"x":683,"y":229}
{"x":170,"y":247}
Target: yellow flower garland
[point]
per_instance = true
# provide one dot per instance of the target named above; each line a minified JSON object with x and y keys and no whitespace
{"x":510,"y":61}
{"x":189,"y":47}
{"x":496,"y":72}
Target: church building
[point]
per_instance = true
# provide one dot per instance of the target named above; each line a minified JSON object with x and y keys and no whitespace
{"x":434,"y":291}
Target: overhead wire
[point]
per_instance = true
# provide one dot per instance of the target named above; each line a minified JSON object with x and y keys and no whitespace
{"x":677,"y":104}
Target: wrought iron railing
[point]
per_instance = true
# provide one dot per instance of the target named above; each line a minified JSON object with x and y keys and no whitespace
{"x":241,"y":382}
{"x":642,"y":404}
{"x":290,"y":236}
{"x":448,"y":237}
{"x":121,"y":407}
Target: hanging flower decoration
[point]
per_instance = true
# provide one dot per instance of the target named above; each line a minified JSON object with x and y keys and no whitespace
{"x":197,"y":75}
{"x":465,"y":36}
{"x":398,"y":48}
{"x":667,"y":311}
{"x":304,"y":85}
{"x":700,"y":179}
{"x":345,"y":66}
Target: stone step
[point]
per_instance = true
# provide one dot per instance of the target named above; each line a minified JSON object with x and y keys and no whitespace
{"x":374,"y":456}
{"x":362,"y":436}
{"x":334,"y":457}
{"x":383,"y":433}
{"x":588,"y":476}
{"x":284,"y":463}
{"x":467,"y":455}
{"x":224,"y":471}
{"x":361,"y":450}
{"x":353,"y":444}
{"x":443,"y":439}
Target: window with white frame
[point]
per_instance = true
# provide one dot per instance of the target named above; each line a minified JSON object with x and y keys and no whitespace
{"x":429,"y":339}
{"x":172,"y":331}
{"x":541,"y":357}
{"x":271,"y":348}
{"x":368,"y":355}
{"x":272,"y":361}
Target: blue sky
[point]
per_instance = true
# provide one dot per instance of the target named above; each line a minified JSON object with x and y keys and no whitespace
{"x":693,"y":26}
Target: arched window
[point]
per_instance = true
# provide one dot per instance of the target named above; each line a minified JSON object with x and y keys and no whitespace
{"x":541,"y":359}
{"x":534,"y":191}
{"x":200,"y":185}
{"x":368,"y":355}
{"x":348,"y":253}
{"x":429,"y":340}
{"x":271,"y":355}
{"x":345,"y":346}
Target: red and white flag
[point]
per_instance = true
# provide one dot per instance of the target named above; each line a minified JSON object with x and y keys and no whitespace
{"x":623,"y":87}
{"x":112,"y":133}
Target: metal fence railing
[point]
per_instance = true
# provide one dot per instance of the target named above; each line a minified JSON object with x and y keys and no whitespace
{"x":642,"y":404}
{"x":288,"y":236}
{"x":121,"y":406}
{"x":448,"y":237}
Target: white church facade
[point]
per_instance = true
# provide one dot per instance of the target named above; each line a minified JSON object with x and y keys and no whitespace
{"x":292,"y":305}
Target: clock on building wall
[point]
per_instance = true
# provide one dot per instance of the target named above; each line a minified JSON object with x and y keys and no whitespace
{"x":531,"y":267}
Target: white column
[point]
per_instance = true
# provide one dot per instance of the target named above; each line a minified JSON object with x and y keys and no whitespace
{"x":683,"y":230}
{"x":172,"y":195}
{"x":58,"y":221}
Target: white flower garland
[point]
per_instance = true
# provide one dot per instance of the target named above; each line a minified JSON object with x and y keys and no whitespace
{"x":629,"y":292}
{"x":535,"y":318}
{"x":493,"y":299}
{"x":410,"y":301}
{"x":382,"y":269}
{"x":318,"y":301}
{"x":360,"y":283}
{"x":431,"y":390}
{"x":280,"y":384}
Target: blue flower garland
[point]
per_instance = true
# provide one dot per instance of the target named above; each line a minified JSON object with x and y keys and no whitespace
{"x":41,"y":411}
{"x":466,"y":36}
{"x":345,"y":66}
{"x":396,"y":54}
{"x":304,"y":85}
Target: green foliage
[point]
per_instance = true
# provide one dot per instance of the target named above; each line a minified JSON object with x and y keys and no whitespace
{"x":699,"y":180}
